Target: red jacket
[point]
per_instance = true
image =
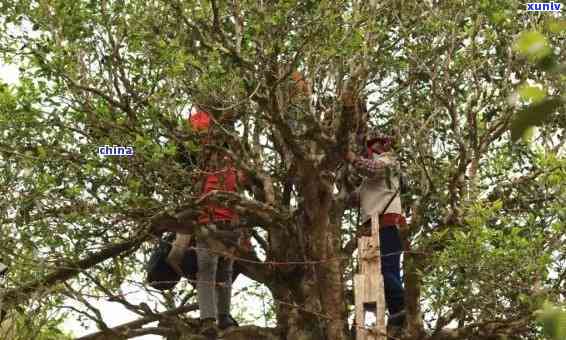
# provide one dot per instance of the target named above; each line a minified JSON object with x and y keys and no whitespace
{"x":223,"y":180}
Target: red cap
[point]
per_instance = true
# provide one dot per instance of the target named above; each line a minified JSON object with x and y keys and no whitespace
{"x":376,"y":136}
{"x":200,"y":120}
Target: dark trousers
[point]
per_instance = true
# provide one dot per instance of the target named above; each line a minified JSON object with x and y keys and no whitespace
{"x":390,"y":242}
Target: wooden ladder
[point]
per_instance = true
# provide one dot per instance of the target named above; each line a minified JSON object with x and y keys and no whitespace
{"x":368,"y":287}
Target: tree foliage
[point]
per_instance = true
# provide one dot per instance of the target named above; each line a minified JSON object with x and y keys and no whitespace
{"x":484,"y":248}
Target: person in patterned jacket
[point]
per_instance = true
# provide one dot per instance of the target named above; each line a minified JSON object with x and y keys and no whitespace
{"x":379,"y":193}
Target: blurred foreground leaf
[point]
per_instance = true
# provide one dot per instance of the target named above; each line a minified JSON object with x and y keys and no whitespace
{"x":533,"y":45}
{"x":532,"y":93}
{"x":533,"y":115}
{"x":553,"y":320}
{"x":555,"y":25}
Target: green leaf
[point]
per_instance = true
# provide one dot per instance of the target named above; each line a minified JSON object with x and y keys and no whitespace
{"x":530,"y":93}
{"x":134,"y":184}
{"x":553,"y":320}
{"x":528,"y":134}
{"x":191,"y":146}
{"x":42,"y":153}
{"x":533,"y":115}
{"x":533,"y":45}
{"x":170,"y":150}
{"x":556,"y":25}
{"x":499,"y":17}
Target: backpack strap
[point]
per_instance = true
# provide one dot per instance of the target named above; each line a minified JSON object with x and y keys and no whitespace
{"x":390,"y":200}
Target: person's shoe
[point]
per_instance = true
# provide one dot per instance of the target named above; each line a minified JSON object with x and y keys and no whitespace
{"x":395,"y":325}
{"x":208,"y":328}
{"x":394,"y":332}
{"x":225,"y":321}
{"x":354,"y":330}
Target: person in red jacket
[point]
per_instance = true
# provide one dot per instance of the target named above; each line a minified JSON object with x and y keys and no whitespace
{"x":215,"y":272}
{"x":214,"y":277}
{"x":200,"y":123}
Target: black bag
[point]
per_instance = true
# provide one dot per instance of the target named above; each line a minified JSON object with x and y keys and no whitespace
{"x":190,"y":263}
{"x":159,"y":274}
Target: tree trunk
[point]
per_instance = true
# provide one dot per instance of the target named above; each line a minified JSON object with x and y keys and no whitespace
{"x":324,"y":246}
{"x":412,"y":266}
{"x":294,"y":311}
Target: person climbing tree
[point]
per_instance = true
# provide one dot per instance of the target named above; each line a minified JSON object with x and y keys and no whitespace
{"x":200,"y":123}
{"x":215,"y":272}
{"x":380,"y":192}
{"x":214,"y":277}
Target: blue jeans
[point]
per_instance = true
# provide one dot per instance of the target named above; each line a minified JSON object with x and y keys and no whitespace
{"x":390,"y":242}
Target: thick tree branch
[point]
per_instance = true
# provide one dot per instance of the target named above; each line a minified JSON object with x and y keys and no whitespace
{"x":256,"y":213}
{"x":18,"y":295}
{"x":484,"y":330}
{"x":126,"y":328}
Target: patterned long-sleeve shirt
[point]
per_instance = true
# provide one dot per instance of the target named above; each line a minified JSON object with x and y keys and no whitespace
{"x":378,"y":192}
{"x":373,"y":167}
